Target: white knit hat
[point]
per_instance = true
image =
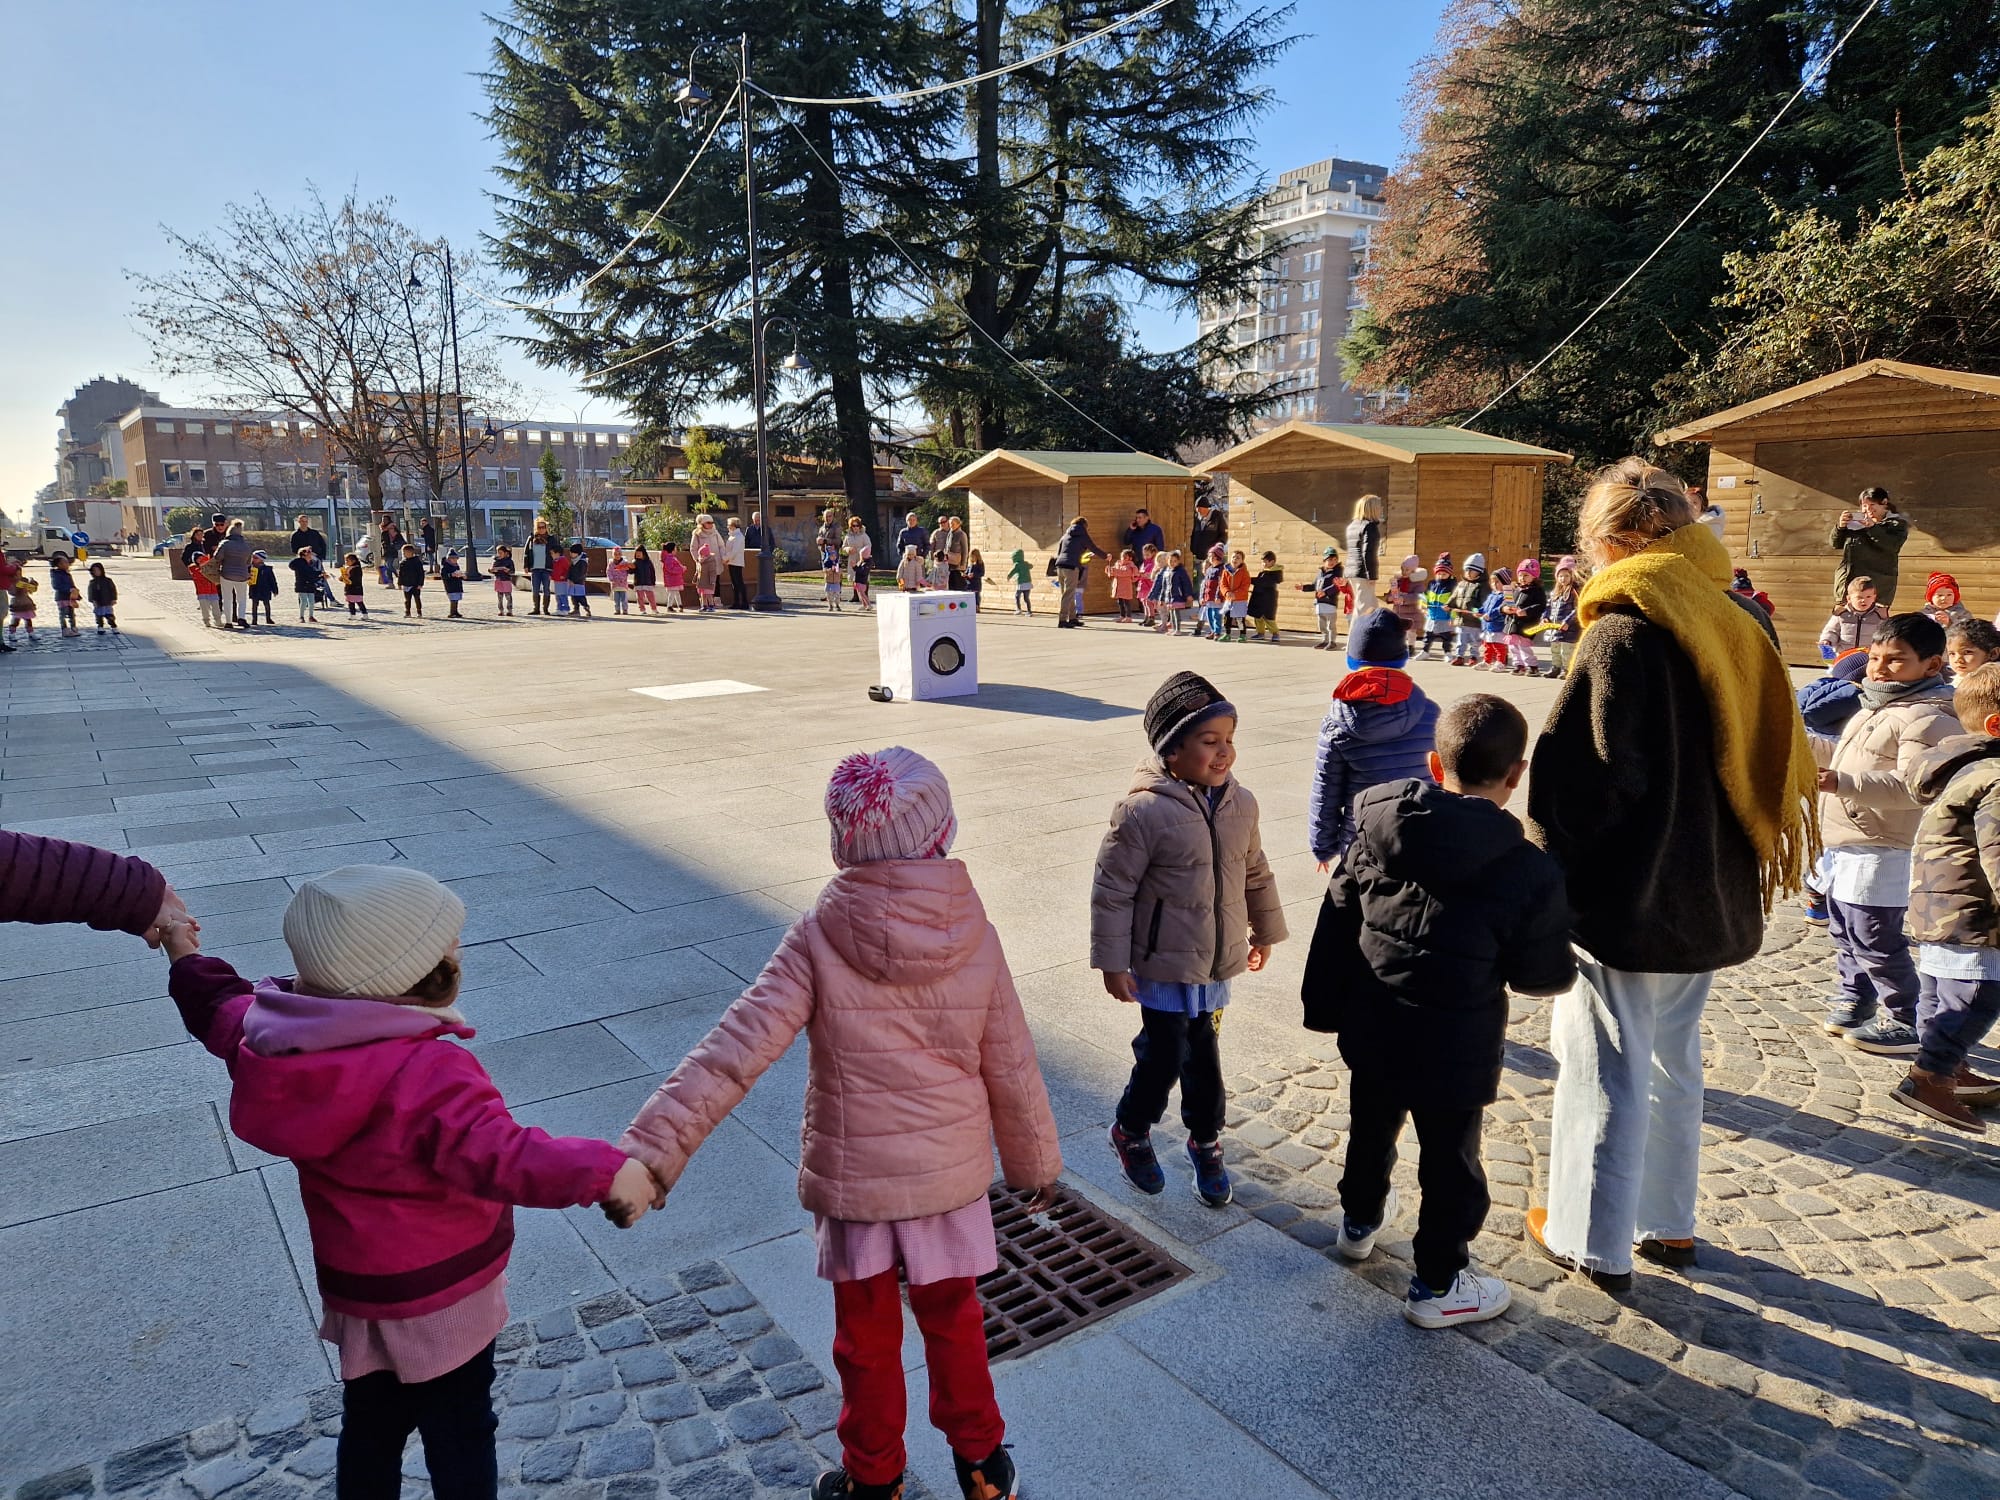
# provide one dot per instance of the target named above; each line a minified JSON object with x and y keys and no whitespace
{"x":889,"y":804}
{"x":370,"y":930}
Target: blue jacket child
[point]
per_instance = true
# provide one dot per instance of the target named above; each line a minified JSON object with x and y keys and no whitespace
{"x":1492,"y":617}
{"x":1380,"y":728}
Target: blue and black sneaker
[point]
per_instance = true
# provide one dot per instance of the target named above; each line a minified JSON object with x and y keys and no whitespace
{"x":1815,"y":909}
{"x":1843,"y":1016}
{"x":1211,"y":1178}
{"x":1137,"y":1161}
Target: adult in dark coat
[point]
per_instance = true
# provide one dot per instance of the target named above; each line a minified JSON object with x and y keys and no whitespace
{"x":912,"y":535}
{"x":304,"y":535}
{"x":1870,"y":544}
{"x":1144,"y":531}
{"x":1211,"y":527}
{"x":1070,"y":549}
{"x":206,"y":539}
{"x":1673,"y":784}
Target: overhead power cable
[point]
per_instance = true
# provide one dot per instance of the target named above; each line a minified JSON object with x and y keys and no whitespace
{"x":1813,"y":77}
{"x":959,"y":308}
{"x":945,"y":88}
{"x":643,"y":230}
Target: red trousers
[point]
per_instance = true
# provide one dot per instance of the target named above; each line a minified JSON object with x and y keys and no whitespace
{"x":868,"y":1353}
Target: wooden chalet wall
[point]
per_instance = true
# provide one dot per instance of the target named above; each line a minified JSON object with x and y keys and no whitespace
{"x":1783,"y":476}
{"x":1005,"y":516}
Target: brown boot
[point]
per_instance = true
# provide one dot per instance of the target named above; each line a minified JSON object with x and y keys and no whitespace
{"x":1972,"y":1088}
{"x":1932,"y":1094}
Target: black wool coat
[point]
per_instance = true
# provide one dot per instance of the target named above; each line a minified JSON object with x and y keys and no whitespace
{"x":1623,"y":794}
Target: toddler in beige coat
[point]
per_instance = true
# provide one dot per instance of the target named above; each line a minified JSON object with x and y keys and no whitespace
{"x":1182,"y":902}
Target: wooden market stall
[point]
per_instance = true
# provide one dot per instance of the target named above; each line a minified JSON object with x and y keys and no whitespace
{"x":1783,"y":468}
{"x":1292,"y":491}
{"x":1022,"y":500}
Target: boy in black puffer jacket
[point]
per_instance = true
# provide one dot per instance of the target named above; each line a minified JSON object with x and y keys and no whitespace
{"x":1441,"y":904}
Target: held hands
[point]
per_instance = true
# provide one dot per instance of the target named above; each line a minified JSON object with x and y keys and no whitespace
{"x":173,"y":913}
{"x":1120,"y":987}
{"x":1829,"y":781}
{"x":178,"y":940}
{"x":633,"y":1191}
{"x":1044,"y":1199}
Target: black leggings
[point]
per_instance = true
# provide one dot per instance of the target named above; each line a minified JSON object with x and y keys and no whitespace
{"x":1174,"y":1048}
{"x":454,"y":1413}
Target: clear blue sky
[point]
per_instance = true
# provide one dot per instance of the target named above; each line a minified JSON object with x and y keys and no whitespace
{"x":126,"y":114}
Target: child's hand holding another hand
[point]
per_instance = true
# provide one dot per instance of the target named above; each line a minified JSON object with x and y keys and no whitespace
{"x":633,"y":1191}
{"x":180,"y":939}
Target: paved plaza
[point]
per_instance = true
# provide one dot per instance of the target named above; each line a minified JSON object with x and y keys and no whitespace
{"x":628,"y":862}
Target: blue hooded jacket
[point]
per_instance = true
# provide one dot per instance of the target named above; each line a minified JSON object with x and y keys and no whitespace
{"x":1380,"y":728}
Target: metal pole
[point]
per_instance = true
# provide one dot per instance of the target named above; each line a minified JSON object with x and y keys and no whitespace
{"x":458,"y":392}
{"x":767,"y":575}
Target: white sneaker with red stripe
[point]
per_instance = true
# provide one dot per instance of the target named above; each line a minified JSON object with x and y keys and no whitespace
{"x":1470,"y":1299}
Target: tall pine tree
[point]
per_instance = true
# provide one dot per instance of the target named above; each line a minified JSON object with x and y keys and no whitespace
{"x":1114,"y":171}
{"x":583,"y":105}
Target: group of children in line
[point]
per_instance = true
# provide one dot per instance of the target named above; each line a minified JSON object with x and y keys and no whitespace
{"x":639,"y":580}
{"x":1903,"y":726}
{"x":1439,"y":904}
{"x":98,"y":591}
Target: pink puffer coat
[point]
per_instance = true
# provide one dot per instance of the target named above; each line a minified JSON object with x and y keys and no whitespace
{"x":920,"y":1055}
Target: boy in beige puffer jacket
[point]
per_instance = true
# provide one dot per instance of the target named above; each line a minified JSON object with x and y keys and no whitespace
{"x":1869,"y":820}
{"x":1182,"y":902}
{"x":919,"y":1064}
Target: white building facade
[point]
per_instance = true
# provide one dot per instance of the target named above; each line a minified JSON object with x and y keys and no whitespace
{"x":1319,"y":223}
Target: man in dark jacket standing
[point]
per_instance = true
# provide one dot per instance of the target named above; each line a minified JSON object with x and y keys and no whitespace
{"x":1143,"y":532}
{"x":1211,"y":528}
{"x":305,"y":535}
{"x":912,"y":535}
{"x":1440,"y":904}
{"x":1070,"y":549}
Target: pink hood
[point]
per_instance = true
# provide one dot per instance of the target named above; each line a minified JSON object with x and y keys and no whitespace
{"x":920,"y":1058}
{"x":311,"y":1082}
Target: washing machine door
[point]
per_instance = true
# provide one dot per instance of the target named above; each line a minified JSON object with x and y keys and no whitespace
{"x":945,"y":659}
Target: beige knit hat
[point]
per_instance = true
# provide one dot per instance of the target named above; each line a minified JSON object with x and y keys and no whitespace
{"x":370,"y":930}
{"x":889,"y":804}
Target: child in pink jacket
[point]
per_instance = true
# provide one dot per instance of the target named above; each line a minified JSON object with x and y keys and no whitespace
{"x":408,"y":1161}
{"x":920,"y":1060}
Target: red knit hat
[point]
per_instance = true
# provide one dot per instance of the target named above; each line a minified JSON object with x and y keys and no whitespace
{"x":1942,"y":581}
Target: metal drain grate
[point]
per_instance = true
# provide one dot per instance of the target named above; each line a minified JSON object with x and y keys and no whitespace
{"x":1063,"y":1270}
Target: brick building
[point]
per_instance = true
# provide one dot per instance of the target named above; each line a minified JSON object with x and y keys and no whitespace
{"x":268,"y":467}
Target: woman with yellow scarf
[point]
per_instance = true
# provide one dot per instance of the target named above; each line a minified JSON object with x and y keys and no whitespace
{"x":1674,"y":785}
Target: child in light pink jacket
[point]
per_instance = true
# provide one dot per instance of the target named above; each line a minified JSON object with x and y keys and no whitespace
{"x":920,"y":1061}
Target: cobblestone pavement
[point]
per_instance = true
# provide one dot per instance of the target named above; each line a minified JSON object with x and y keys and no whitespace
{"x":1836,"y":1336}
{"x":678,"y":1386}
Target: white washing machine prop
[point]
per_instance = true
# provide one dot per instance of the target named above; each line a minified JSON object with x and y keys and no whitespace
{"x":929,"y":644}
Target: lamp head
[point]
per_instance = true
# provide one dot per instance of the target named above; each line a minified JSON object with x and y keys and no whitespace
{"x":413,"y":285}
{"x":796,"y":362}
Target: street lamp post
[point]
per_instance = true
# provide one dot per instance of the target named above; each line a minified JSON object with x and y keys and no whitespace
{"x":691,"y":96}
{"x":457,"y":390}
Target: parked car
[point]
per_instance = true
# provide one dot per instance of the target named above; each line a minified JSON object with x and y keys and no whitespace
{"x":601,"y":541}
{"x":172,"y":543}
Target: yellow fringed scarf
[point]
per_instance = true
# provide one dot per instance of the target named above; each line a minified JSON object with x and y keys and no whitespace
{"x":1766,"y":768}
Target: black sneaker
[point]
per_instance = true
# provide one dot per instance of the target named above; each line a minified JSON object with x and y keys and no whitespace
{"x":1211,"y":1178}
{"x":992,"y":1478}
{"x":1137,"y":1161}
{"x":838,"y":1484}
